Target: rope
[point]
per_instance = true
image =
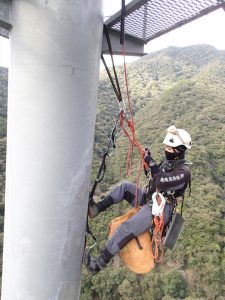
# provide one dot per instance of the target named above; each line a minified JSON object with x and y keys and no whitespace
{"x":127,"y":88}
{"x":133,"y":143}
{"x":130,"y":123}
{"x":157,"y":210}
{"x":157,"y":242}
{"x":132,"y":135}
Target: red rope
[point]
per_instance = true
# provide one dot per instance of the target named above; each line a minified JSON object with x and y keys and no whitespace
{"x":127,"y":89}
{"x":131,"y":135}
{"x":157,"y":242}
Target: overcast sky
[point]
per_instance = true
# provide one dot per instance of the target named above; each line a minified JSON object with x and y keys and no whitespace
{"x":206,"y":30}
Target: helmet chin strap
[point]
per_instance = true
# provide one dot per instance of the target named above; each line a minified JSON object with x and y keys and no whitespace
{"x":171,"y":155}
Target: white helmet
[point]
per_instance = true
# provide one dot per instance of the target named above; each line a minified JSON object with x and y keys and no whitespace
{"x":176,"y":137}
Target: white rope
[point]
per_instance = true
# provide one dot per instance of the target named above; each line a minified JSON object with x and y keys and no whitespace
{"x":157,"y":208}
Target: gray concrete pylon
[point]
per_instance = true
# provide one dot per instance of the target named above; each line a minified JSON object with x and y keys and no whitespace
{"x":53,"y":82}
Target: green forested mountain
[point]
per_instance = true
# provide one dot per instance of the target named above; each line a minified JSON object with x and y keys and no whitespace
{"x":185,"y":87}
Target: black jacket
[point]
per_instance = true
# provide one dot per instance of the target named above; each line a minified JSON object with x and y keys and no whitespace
{"x":169,"y":176}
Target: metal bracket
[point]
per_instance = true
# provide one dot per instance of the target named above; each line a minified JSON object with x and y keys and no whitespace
{"x":134,"y":46}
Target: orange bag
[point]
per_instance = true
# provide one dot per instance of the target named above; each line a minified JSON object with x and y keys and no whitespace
{"x":138,"y":260}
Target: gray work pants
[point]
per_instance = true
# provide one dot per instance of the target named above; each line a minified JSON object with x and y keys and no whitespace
{"x":138,"y":223}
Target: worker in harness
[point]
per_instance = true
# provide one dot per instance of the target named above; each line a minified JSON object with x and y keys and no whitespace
{"x":170,"y":178}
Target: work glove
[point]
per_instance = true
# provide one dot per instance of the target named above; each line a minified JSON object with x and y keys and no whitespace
{"x":147,"y":155}
{"x":151,"y":167}
{"x":147,"y":159}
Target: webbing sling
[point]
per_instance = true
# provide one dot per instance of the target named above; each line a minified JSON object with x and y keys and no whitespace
{"x":100,"y":176}
{"x":189,"y":185}
{"x":102,"y":169}
{"x":118,"y":91}
{"x":122,"y":22}
{"x":111,"y":80}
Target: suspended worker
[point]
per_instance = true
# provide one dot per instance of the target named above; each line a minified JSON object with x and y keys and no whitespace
{"x":171,"y":177}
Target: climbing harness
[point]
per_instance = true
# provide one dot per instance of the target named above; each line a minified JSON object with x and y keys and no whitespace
{"x":176,"y":223}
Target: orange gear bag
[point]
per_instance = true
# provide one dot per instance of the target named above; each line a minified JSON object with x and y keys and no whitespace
{"x":139,"y":260}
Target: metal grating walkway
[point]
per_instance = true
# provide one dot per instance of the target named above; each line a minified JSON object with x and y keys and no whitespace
{"x":148,"y":19}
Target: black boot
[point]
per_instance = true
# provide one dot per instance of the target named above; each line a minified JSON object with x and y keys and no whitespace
{"x":94,"y":265}
{"x":94,"y":208}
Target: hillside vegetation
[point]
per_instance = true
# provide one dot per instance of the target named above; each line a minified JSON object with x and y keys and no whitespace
{"x":181,"y":86}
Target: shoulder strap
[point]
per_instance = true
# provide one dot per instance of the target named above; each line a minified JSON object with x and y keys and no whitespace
{"x":185,"y":167}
